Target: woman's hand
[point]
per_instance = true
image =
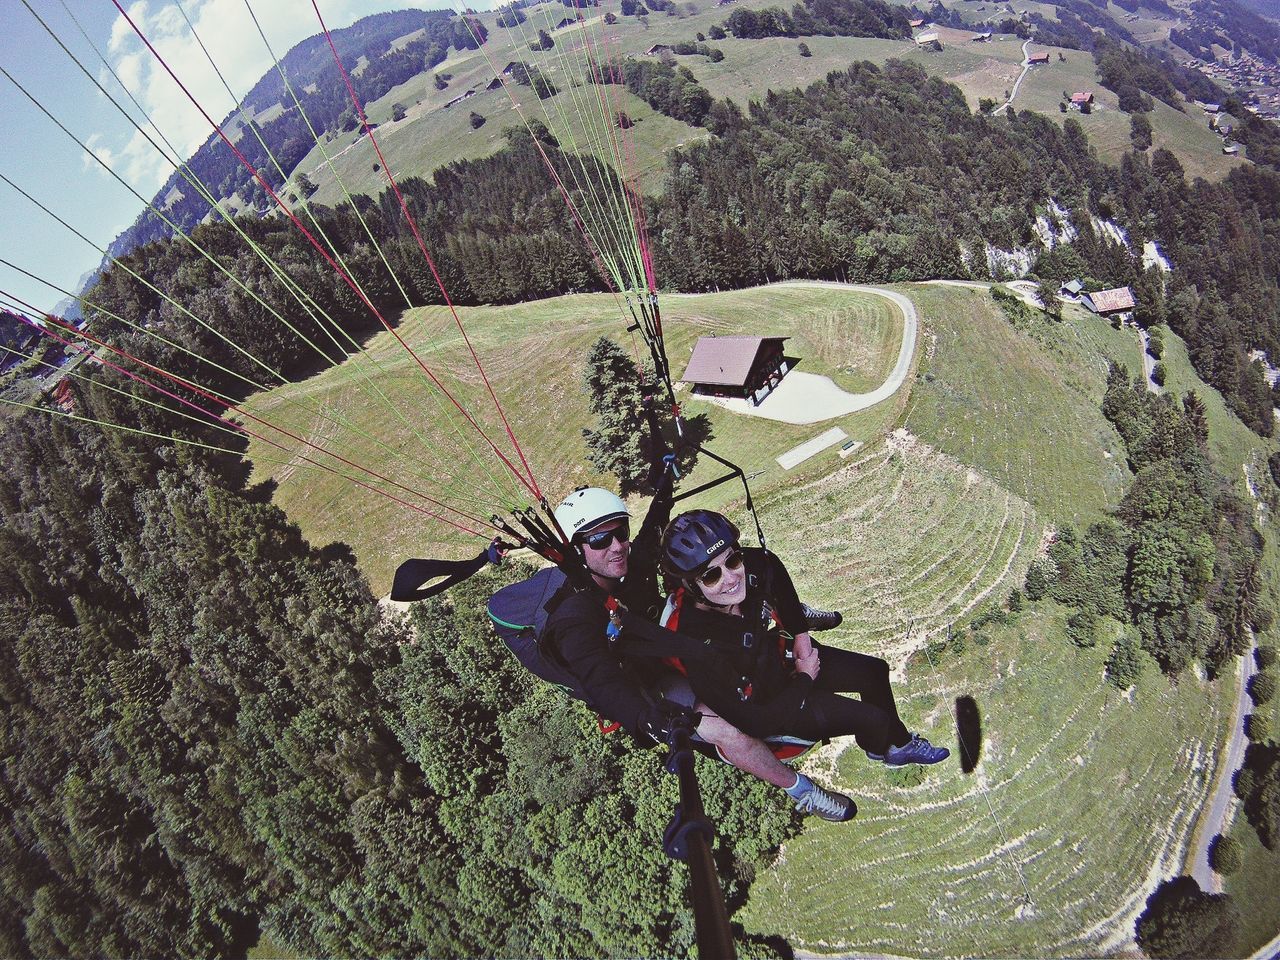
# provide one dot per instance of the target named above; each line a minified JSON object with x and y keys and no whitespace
{"x":806,"y":655}
{"x":808,"y":665}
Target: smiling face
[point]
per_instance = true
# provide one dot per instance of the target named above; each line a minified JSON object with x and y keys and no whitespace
{"x":610,"y":560}
{"x":724,"y":582}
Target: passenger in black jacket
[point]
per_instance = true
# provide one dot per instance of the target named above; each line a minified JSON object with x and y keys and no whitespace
{"x":630,"y":689}
{"x":769,"y":677}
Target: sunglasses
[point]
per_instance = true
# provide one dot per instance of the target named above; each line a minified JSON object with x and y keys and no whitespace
{"x":604,"y":538}
{"x":712,"y":575}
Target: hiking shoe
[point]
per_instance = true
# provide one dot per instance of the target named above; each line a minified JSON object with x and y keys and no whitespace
{"x":827,"y":804}
{"x":915,"y":750}
{"x":821,"y":619}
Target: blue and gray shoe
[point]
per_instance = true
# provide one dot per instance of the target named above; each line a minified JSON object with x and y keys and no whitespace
{"x":915,"y":750}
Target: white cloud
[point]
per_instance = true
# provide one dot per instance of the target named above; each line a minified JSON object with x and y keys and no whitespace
{"x":122,"y":34}
{"x":232,"y":40}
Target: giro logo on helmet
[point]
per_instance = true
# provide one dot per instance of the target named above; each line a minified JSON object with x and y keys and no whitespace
{"x":714,"y":547}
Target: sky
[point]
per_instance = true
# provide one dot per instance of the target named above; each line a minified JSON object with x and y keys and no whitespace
{"x":45,"y":162}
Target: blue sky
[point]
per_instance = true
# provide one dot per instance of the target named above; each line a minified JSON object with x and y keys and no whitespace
{"x":46,"y":163}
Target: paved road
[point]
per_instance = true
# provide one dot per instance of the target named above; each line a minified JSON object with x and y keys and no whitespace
{"x":810,"y":398}
{"x":1026,"y":67}
{"x":1213,"y":822}
{"x":1148,"y":361}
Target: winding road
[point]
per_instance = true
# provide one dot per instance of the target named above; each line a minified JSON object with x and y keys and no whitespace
{"x":809,"y":398}
{"x":1214,"y":820}
{"x":1026,"y":68}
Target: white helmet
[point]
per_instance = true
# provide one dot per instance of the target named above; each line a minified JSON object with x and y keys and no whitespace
{"x":588,"y":507}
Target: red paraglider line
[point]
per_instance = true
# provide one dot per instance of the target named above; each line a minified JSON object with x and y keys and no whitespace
{"x":413,"y":226}
{"x":196,"y":388}
{"x":320,"y":249}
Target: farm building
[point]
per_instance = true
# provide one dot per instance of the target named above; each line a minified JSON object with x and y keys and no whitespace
{"x":1079,"y":99}
{"x":657,"y":48}
{"x":1104,"y":302}
{"x":1071,"y":289}
{"x":1230,"y":149}
{"x":460,"y":98}
{"x":915,"y":24}
{"x":1038,"y":57}
{"x":738,"y":366}
{"x":984,"y":37}
{"x":566,"y":22}
{"x":928,"y":41}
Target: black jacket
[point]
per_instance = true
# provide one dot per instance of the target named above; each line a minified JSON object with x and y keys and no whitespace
{"x":754,"y":685}
{"x":616,"y":685}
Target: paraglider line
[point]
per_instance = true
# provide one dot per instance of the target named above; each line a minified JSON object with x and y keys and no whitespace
{"x":413,"y":226}
{"x":323,"y":253}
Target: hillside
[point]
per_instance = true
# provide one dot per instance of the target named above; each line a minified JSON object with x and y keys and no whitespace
{"x":932,"y":522}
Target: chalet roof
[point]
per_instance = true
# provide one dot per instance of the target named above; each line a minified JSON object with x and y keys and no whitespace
{"x":1073,"y":287}
{"x":724,"y":361}
{"x":1106,"y":301}
{"x":1039,"y":56}
{"x":925,"y":38}
{"x":1081,"y":97}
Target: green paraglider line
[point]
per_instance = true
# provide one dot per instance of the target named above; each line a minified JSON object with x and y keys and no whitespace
{"x":200,"y":391}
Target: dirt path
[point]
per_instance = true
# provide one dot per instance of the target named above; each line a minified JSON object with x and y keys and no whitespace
{"x":1148,"y":361}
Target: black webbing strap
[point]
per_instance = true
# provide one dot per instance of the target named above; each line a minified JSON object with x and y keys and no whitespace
{"x":412,"y":574}
{"x":641,"y":637}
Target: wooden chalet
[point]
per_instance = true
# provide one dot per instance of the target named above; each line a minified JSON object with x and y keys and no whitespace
{"x":738,"y":366}
{"x":1079,"y":99}
{"x":1071,"y":289}
{"x":1105,"y":302}
{"x":1040,"y":56}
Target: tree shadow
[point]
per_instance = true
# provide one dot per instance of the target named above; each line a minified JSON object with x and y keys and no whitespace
{"x":697,"y":433}
{"x":968,"y":732}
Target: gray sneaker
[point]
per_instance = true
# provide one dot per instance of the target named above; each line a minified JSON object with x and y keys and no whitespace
{"x":827,"y":804}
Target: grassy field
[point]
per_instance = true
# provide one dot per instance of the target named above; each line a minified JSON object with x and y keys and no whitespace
{"x":1022,"y":405}
{"x":430,"y":135}
{"x":535,"y":353}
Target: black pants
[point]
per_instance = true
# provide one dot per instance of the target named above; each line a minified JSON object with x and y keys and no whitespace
{"x":873,"y":720}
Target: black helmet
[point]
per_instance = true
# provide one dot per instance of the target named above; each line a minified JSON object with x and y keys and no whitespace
{"x":692,"y":540}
